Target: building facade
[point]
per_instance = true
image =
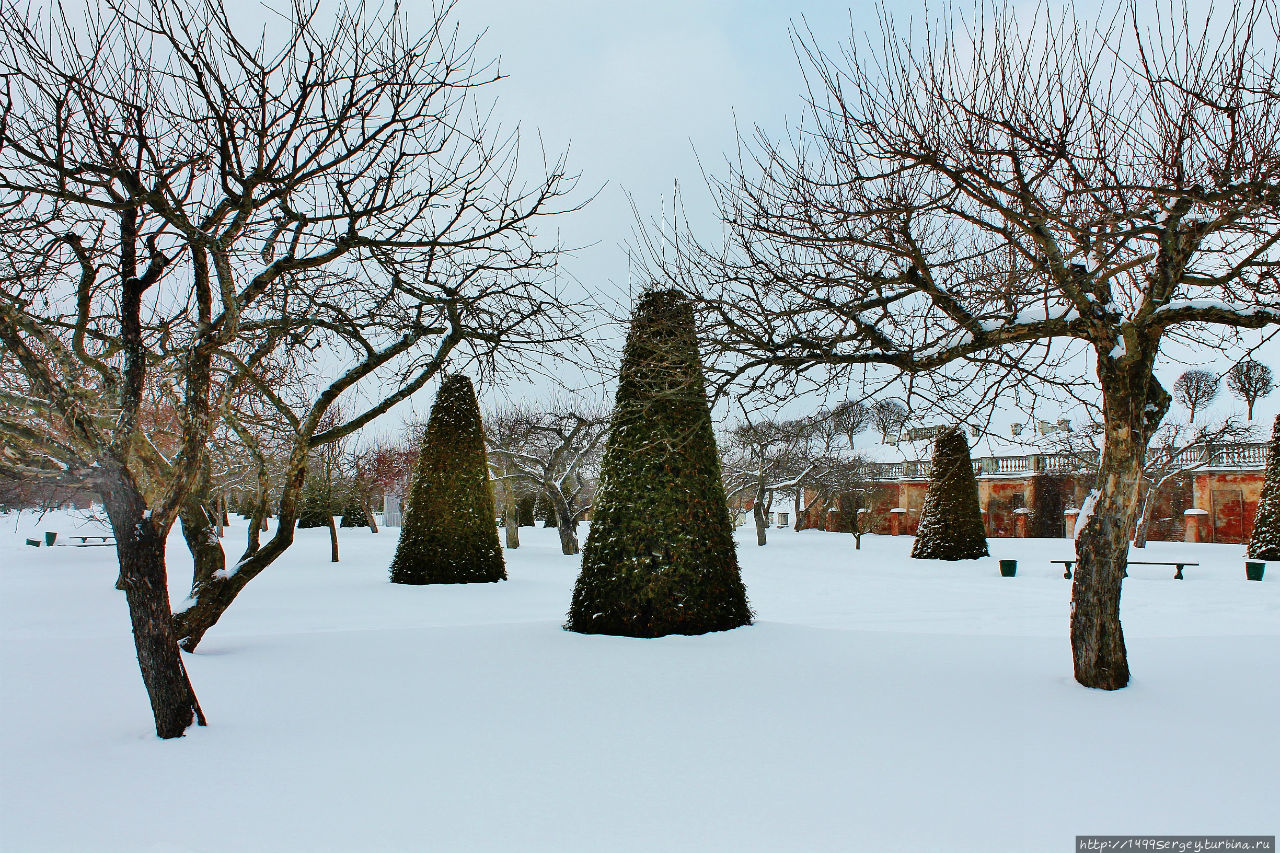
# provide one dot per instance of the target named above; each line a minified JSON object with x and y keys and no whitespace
{"x":1213,"y":499}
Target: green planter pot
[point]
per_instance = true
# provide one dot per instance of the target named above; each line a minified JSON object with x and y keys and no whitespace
{"x":1253,"y":571}
{"x":1008,"y":568}
{"x":50,"y":536}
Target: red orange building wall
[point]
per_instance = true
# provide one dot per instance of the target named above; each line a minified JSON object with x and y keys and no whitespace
{"x":1204,"y":506}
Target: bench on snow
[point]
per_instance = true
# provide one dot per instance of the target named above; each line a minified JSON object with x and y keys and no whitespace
{"x":1177,"y":574}
{"x":102,"y":540}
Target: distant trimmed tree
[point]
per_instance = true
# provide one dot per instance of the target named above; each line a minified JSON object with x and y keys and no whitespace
{"x":851,"y":418}
{"x":1250,"y":380}
{"x":1195,"y":389}
{"x":450,"y":533}
{"x":1264,"y":543}
{"x":660,"y":556}
{"x":951,"y":521}
{"x":888,"y":417}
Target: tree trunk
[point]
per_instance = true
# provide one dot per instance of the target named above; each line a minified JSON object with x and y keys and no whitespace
{"x":140,"y":550}
{"x":211,"y":598}
{"x":565,"y":522}
{"x":511,"y":518}
{"x":368,"y":514}
{"x":261,"y":505}
{"x":799,"y":494}
{"x":758,"y":511}
{"x":1146,"y":510}
{"x":205,"y":547}
{"x":1133,"y":405}
{"x":333,"y":540}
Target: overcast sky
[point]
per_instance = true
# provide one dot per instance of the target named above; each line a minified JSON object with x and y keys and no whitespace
{"x":640,"y":90}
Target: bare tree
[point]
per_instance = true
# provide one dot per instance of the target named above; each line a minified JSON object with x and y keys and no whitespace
{"x":851,"y":418}
{"x":1250,"y":380}
{"x":185,"y":208}
{"x":1175,"y":450}
{"x":506,"y":431}
{"x":376,"y":470}
{"x":888,"y":416}
{"x":850,"y":482}
{"x":1194,"y":390}
{"x":979,"y":206}
{"x":763,"y":457}
{"x":555,"y":451}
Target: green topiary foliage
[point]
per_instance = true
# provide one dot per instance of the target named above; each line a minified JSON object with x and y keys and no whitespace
{"x":1264,"y":542}
{"x":525,"y":507}
{"x":951,"y":520}
{"x":450,"y":531}
{"x":353,"y":514}
{"x":660,"y":557}
{"x":314,"y":509}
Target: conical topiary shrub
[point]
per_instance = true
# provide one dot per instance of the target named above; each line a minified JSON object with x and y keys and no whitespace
{"x":314,"y":509}
{"x":660,"y":558}
{"x":353,"y":514}
{"x":450,"y":531}
{"x":951,"y":520}
{"x":1264,"y":542}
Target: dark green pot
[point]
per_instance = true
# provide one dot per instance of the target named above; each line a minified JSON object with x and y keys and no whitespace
{"x":50,"y":536}
{"x":1253,"y":571}
{"x":1008,"y":568}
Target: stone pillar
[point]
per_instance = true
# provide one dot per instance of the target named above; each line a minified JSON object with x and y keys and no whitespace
{"x":896,"y":515}
{"x":1069,"y":522}
{"x":1021,"y":520}
{"x":1197,"y":524}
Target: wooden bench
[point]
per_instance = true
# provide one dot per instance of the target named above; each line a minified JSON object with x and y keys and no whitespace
{"x":102,"y":540}
{"x":1177,"y":574}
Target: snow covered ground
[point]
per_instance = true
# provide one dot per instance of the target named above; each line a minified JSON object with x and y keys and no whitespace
{"x":878,"y":704}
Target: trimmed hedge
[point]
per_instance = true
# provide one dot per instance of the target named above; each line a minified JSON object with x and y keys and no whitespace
{"x":1264,"y":542}
{"x":450,"y":531}
{"x":951,"y":521}
{"x":660,"y":557}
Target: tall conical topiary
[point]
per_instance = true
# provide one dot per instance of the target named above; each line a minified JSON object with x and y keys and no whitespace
{"x":951,"y":520}
{"x":449,"y":532}
{"x":660,"y":558}
{"x":1264,"y":542}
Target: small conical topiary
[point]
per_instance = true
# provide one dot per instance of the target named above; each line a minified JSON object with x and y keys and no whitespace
{"x":450,"y":532}
{"x":951,"y":520}
{"x":314,"y":509}
{"x":353,"y":514}
{"x":1264,"y":542}
{"x":660,"y":558}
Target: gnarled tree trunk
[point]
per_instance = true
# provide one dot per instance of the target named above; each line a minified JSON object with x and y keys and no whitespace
{"x":140,"y":550}
{"x":1133,"y":405}
{"x":202,"y":538}
{"x":566,"y":523}
{"x":511,"y":517}
{"x":210,"y":597}
{"x":759,"y":512}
